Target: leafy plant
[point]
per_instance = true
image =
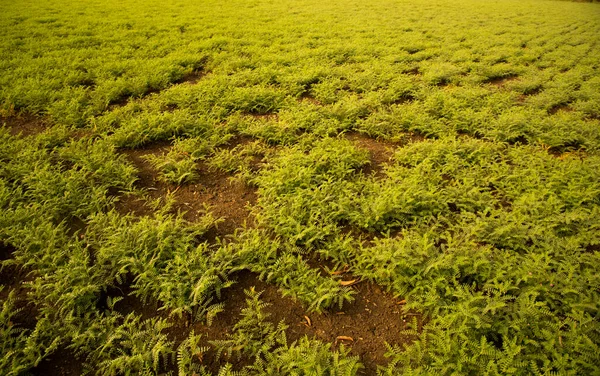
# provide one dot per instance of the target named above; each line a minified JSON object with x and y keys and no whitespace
{"x":133,"y":347}
{"x":252,"y":335}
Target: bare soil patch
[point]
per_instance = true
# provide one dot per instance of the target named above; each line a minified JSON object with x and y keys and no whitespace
{"x":380,"y":152}
{"x":363,"y":326}
{"x":569,"y":149}
{"x":523,"y":97}
{"x":193,"y":77}
{"x":373,"y":319}
{"x":414,"y":71}
{"x":24,"y":125}
{"x":579,"y":154}
{"x":501,"y":81}
{"x":560,"y":108}
{"x":61,"y":362}
{"x":227,"y":198}
{"x":308,"y":98}
{"x":12,"y":278}
{"x":10,"y":275}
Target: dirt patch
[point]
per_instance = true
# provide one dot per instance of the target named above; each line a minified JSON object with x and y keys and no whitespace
{"x":308,"y":98}
{"x":444,"y":83}
{"x":380,"y":152}
{"x":571,"y":149}
{"x":147,"y":179}
{"x":271,"y":117}
{"x":373,"y":319}
{"x":413,"y":72}
{"x":523,"y":97}
{"x":6,"y":251}
{"x":12,"y":278}
{"x":501,"y":81}
{"x":560,"y":108}
{"x":10,"y":275}
{"x":363,"y":326}
{"x":192,"y":78}
{"x":82,"y":133}
{"x":24,"y":125}
{"x":228,"y":198}
{"x":578,"y":154}
{"x":408,"y":98}
{"x":467,"y":133}
{"x":61,"y":362}
{"x":592,"y":248}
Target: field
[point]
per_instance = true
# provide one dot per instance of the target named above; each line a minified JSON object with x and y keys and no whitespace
{"x":299,"y":187}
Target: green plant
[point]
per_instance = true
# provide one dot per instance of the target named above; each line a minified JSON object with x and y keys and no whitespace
{"x":133,"y":347}
{"x":253,"y":336}
{"x":485,"y":219}
{"x":189,"y":352}
{"x":273,"y":356}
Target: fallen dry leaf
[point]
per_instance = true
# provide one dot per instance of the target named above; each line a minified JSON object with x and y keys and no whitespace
{"x":344,"y":338}
{"x":349,"y":283}
{"x":340,"y":272}
{"x":308,"y":322}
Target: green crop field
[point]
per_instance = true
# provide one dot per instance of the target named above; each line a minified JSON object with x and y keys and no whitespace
{"x":299,"y":187}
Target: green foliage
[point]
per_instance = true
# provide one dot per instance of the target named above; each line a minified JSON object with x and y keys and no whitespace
{"x":281,"y":264}
{"x":133,"y":347}
{"x":12,"y":340}
{"x":160,"y":254}
{"x":308,"y":357}
{"x":174,"y":167}
{"x":310,"y":175}
{"x":486,"y":219}
{"x":241,"y":159}
{"x":257,"y":338}
{"x":188,"y":352}
{"x":252,"y":336}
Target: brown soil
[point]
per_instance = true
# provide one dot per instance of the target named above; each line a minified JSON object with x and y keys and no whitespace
{"x":371,"y":320}
{"x":308,"y":98}
{"x":404,"y":99}
{"x":414,"y":71}
{"x":523,"y":97}
{"x":501,"y":81}
{"x":569,"y":150}
{"x":61,"y":362}
{"x":381,"y":152}
{"x":193,"y":77}
{"x":560,"y":107}
{"x":12,"y":278}
{"x":228,"y":198}
{"x":363,"y":326}
{"x":24,"y":125}
{"x":579,"y":154}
